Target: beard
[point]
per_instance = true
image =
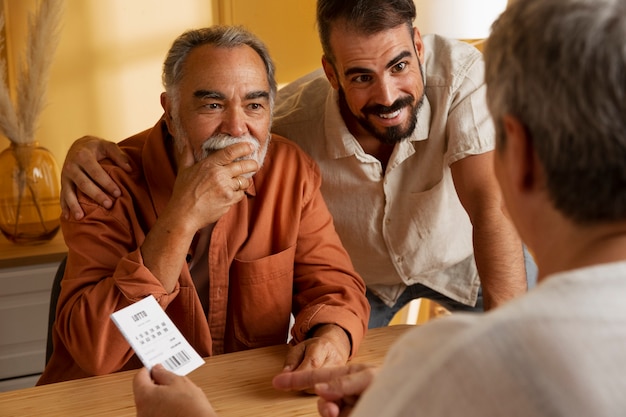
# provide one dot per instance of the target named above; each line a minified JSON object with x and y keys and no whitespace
{"x":220,"y":141}
{"x":392,"y":134}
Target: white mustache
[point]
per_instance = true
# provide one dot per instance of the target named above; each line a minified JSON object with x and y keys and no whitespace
{"x":221,"y":141}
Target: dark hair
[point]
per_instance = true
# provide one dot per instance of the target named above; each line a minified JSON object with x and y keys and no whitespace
{"x":559,"y":66}
{"x":363,"y":16}
{"x":220,"y":36}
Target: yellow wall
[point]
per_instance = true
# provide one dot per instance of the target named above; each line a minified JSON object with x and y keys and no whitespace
{"x":286,"y":26}
{"x":105,"y":78}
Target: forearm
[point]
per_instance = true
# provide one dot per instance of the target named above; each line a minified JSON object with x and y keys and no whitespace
{"x":105,"y":272}
{"x":497,"y":247}
{"x":94,"y":342}
{"x":91,"y":292}
{"x":165,"y":249}
{"x":499,"y":260}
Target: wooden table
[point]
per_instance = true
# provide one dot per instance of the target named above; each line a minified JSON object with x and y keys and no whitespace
{"x":238,"y":384}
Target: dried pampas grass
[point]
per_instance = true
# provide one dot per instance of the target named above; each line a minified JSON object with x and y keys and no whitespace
{"x":19,"y":122}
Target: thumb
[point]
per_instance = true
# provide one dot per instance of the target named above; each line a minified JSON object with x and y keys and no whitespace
{"x":162,"y":376}
{"x":142,"y":379}
{"x":294,"y":357}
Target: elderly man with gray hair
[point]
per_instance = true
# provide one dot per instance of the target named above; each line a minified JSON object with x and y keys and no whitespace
{"x":221,"y":221}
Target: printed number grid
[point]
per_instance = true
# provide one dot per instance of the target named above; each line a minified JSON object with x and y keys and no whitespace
{"x":157,"y":332}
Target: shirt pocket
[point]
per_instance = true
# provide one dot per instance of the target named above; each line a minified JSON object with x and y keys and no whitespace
{"x":261,"y":295}
{"x":440,"y":232}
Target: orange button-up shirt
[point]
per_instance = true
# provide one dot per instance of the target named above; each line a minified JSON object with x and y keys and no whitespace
{"x":274,"y":253}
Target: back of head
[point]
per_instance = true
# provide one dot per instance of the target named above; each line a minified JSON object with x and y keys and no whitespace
{"x":559,"y":66}
{"x":363,"y":16}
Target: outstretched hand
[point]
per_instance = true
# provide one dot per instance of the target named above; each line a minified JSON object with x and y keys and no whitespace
{"x":339,"y":388}
{"x":82,"y":170}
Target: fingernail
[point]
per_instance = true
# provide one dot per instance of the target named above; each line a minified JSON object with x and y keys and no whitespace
{"x":321,"y":387}
{"x":117,"y":193}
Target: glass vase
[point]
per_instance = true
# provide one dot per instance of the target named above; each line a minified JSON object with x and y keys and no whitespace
{"x":29,"y":194}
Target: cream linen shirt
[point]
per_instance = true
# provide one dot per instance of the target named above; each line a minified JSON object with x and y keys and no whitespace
{"x":405,"y":225}
{"x":556,"y":351}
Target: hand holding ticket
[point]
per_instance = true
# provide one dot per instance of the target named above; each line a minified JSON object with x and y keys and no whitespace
{"x":154,"y":337}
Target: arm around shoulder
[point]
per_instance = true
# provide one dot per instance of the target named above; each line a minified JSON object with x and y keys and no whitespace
{"x":81,"y":170}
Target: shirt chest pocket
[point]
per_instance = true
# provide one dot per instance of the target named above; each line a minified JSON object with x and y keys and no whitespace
{"x":260,"y":298}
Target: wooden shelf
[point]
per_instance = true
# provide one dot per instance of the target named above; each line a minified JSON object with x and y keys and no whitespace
{"x":13,"y":255}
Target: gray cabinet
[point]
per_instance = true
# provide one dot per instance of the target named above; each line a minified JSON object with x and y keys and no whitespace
{"x":26,"y":275}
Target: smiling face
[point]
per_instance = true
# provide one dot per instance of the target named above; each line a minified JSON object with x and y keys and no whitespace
{"x":379,"y":79}
{"x":224,"y":92}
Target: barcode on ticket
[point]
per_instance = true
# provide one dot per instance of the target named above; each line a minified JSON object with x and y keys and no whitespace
{"x":153,"y":337}
{"x":176,"y":361}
